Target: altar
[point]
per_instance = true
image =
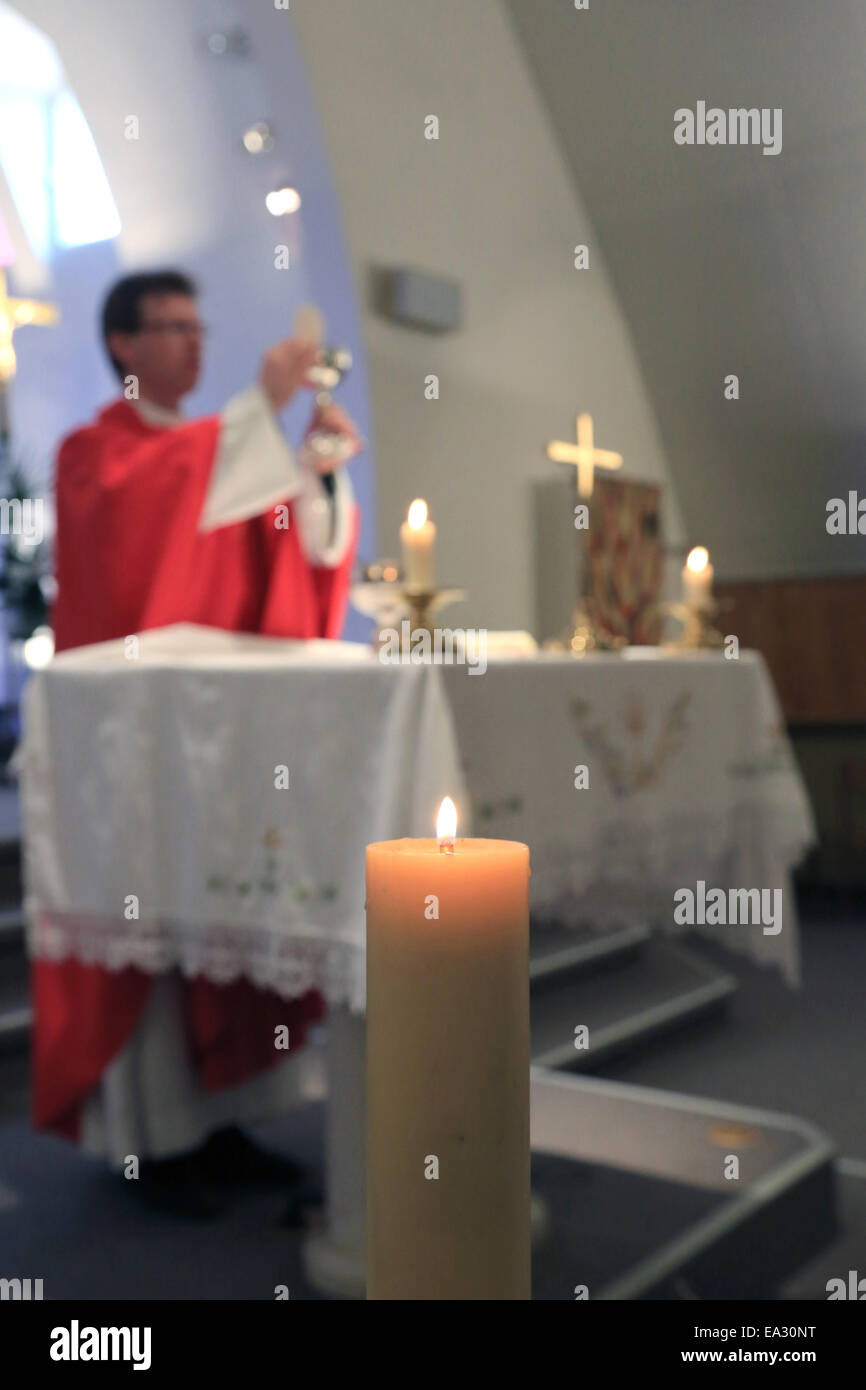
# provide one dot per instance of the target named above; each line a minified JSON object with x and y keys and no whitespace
{"x":178,"y":780}
{"x":633,"y":777}
{"x":204,"y":804}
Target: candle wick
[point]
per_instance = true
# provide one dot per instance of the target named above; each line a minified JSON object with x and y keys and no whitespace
{"x":446,"y":846}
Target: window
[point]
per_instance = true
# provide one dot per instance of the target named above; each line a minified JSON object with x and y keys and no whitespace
{"x":47,"y":152}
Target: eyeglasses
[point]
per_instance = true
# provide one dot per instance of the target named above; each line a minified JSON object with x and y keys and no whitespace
{"x":178,"y":328}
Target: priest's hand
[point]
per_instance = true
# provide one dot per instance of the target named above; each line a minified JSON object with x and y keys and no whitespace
{"x":332,"y":419}
{"x":284,"y":369}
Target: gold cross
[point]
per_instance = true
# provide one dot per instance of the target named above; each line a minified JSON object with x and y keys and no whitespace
{"x":584,"y":455}
{"x":17,"y":313}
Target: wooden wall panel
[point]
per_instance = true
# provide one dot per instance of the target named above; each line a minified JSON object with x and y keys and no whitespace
{"x":812,"y":633}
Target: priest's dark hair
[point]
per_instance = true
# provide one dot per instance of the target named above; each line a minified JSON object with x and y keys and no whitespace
{"x":121,"y":311}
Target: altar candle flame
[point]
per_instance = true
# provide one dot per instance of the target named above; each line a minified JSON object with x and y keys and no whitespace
{"x":446,"y":826}
{"x":417,"y":514}
{"x":698,"y":559}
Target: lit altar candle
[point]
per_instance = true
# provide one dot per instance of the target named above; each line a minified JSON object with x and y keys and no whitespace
{"x":418,"y":539}
{"x":448,"y":1203}
{"x":698,"y":578}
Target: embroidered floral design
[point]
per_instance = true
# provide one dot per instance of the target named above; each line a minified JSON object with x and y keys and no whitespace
{"x":628,"y":766}
{"x":272,"y":881}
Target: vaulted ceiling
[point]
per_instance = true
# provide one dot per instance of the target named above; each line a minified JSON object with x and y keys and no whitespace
{"x":726,"y":260}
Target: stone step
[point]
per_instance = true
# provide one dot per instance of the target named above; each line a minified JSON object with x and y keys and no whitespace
{"x":10,"y":813}
{"x":14,"y":1001}
{"x":742,"y":1239}
{"x":12,"y":928}
{"x":10,"y":845}
{"x":559,"y":950}
{"x":15,"y":1024}
{"x":662,"y":987}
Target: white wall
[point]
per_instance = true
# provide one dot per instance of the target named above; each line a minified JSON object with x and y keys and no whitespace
{"x":728,"y":262}
{"x":493,"y":205}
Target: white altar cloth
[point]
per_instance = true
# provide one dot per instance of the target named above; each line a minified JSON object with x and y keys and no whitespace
{"x":149,"y":786}
{"x":158,"y":833}
{"x":691,"y":777}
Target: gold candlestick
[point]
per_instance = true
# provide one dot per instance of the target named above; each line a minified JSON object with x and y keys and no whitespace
{"x":380,"y":595}
{"x":423,"y":604}
{"x":698,"y":632}
{"x":584,"y":635}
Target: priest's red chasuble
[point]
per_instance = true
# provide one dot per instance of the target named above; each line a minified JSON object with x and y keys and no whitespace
{"x":130,"y":556}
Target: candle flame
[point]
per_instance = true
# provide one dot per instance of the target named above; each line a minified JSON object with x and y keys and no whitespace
{"x":698,"y":559}
{"x":446,"y":822}
{"x":417,"y":514}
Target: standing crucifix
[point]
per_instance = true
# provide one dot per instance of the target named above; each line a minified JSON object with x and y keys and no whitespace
{"x":584,"y":635}
{"x":14,"y":314}
{"x":584,"y":455}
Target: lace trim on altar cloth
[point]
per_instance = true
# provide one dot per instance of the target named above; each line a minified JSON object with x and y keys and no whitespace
{"x":628,"y":875}
{"x":633,"y":879}
{"x":288,"y":962}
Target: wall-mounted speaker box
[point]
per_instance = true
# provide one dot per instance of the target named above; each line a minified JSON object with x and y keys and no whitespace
{"x":419,"y":300}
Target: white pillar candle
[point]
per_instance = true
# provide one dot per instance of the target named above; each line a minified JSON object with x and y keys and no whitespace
{"x":448,"y":1199}
{"x":418,"y":539}
{"x":698,"y":579}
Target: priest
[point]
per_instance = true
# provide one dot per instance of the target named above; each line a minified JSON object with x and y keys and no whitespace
{"x":163,"y":520}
